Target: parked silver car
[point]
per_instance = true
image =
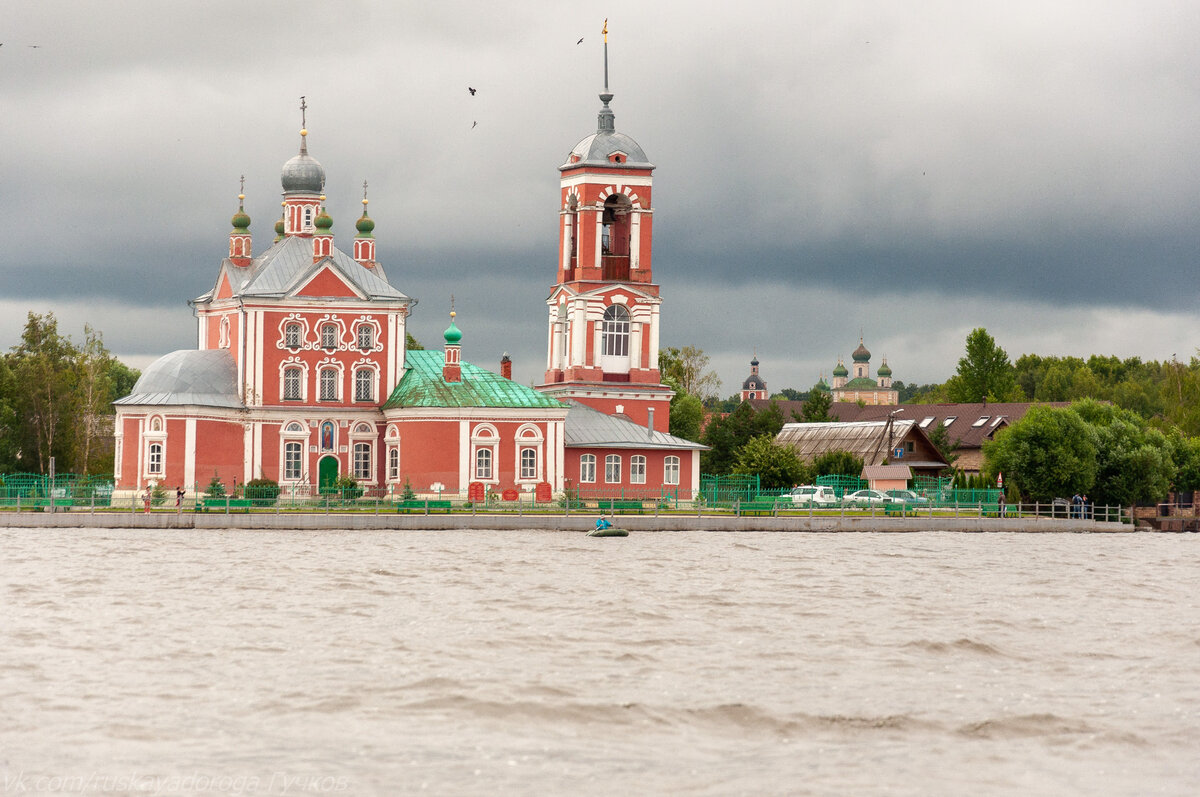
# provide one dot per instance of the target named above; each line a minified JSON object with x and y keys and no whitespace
{"x":869,"y":498}
{"x":811,"y":495}
{"x":908,"y":496}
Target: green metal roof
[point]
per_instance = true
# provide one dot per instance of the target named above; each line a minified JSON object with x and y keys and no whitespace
{"x":861,"y":383}
{"x":422,"y":386}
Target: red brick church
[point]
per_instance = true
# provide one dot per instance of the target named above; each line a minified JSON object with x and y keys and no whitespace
{"x":301,"y":374}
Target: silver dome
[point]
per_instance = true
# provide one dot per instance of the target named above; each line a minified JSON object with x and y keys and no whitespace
{"x":596,"y":149}
{"x":303,"y":173}
{"x":206,"y":378}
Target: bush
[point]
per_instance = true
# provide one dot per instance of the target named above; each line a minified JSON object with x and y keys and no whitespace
{"x":262,"y":492}
{"x":215,"y":489}
{"x":348,"y":488}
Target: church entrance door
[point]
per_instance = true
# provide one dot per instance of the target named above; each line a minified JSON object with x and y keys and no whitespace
{"x":327,"y":473}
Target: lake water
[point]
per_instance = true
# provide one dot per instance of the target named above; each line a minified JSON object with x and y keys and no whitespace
{"x":473,"y":662}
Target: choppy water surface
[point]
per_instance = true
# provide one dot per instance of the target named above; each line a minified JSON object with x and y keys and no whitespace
{"x":382,"y":663}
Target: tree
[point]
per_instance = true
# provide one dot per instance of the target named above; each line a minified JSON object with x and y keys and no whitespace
{"x":42,"y":365}
{"x":984,"y":373}
{"x":725,"y":436}
{"x":687,"y":416}
{"x":776,"y":466}
{"x":940,"y":437}
{"x":93,"y":392}
{"x":816,"y":409}
{"x":1049,"y":453}
{"x":837,"y":463}
{"x":411,"y":343}
{"x":790,"y":394}
{"x":687,"y":367}
{"x":1133,"y":462}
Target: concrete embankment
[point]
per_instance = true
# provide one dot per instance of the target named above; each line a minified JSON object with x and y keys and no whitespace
{"x":436,"y":522}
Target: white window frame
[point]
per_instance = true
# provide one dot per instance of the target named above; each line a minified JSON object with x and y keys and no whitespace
{"x":615,"y":331}
{"x":300,"y":366}
{"x":363,"y":461}
{"x":366,"y":336}
{"x":587,"y":469}
{"x":326,"y":343}
{"x":364,"y":376}
{"x":156,"y":465}
{"x":671,"y":470}
{"x":612,"y":468}
{"x":485,"y":467}
{"x":293,"y":466}
{"x":637,"y":469}
{"x":334,"y":381}
{"x":291,"y":341}
{"x":529,"y":464}
{"x":485,"y":437}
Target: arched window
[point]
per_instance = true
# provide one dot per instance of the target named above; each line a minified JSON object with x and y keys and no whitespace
{"x":329,"y":384}
{"x":671,"y":470}
{"x":483,"y":463}
{"x":364,"y":383}
{"x":393,"y":464}
{"x":223,"y":334}
{"x":587,"y":468}
{"x":291,"y":384}
{"x":614,"y":341}
{"x":529,"y":463}
{"x":612,"y":469}
{"x":362,"y":461}
{"x":637,"y":469}
{"x":154,"y":459}
{"x":293,"y":452}
{"x":366,"y":336}
{"x":485,"y":443}
{"x":291,"y":336}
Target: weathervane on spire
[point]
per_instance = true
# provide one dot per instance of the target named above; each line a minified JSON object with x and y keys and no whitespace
{"x":364,"y":192}
{"x":242,"y":185}
{"x":303,"y":108}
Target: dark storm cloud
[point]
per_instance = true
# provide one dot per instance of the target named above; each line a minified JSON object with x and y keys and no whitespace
{"x":934,"y":156}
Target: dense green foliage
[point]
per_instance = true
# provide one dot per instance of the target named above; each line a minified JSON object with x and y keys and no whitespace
{"x":56,"y":400}
{"x":1111,"y":454}
{"x":725,"y":436}
{"x":687,"y":416}
{"x":1049,"y":453}
{"x":816,"y":409}
{"x":837,"y":463}
{"x":777,"y":467}
{"x":983,"y":373}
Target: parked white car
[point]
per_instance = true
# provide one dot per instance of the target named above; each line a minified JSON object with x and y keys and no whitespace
{"x":869,"y":498}
{"x":810,"y":495}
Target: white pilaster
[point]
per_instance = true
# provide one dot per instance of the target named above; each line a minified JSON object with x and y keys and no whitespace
{"x":578,"y":333}
{"x":189,"y":452}
{"x":635,"y":239}
{"x":654,"y":318}
{"x":464,"y":455}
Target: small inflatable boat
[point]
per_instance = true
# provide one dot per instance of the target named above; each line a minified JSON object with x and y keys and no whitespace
{"x":611,"y":531}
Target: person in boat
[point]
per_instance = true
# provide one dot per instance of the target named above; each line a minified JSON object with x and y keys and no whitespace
{"x":602,"y":523}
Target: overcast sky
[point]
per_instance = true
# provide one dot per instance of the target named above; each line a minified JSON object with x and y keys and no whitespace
{"x":910,"y":170}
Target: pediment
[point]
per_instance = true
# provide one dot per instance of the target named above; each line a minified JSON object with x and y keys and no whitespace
{"x":327,"y":282}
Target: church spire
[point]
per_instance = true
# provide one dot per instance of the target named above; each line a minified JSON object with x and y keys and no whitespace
{"x":239,"y":238}
{"x":606,"y":121}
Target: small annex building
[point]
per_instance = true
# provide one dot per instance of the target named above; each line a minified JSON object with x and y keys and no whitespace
{"x":904,"y":443}
{"x":887,"y":477}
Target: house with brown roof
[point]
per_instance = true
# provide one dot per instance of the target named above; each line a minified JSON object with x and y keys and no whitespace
{"x":967,"y":425}
{"x":874,"y":442}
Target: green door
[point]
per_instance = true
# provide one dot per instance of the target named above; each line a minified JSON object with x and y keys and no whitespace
{"x":327,"y":470}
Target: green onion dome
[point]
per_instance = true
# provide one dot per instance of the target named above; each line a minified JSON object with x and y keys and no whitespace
{"x":861,"y":355}
{"x":364,"y":225}
{"x":822,"y":386}
{"x":323,"y":221}
{"x":884,"y":370}
{"x":452,"y":334}
{"x":240,"y":220}
{"x":840,"y":370}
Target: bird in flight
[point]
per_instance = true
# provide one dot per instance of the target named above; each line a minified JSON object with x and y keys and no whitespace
{"x":473,"y":125}
{"x":471,"y":90}
{"x":580,"y":40}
